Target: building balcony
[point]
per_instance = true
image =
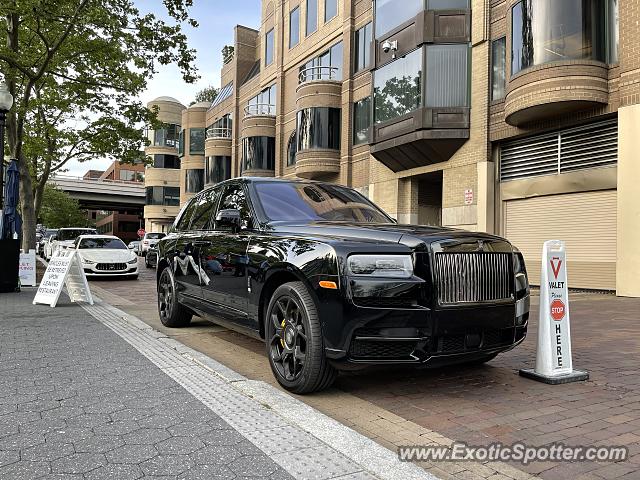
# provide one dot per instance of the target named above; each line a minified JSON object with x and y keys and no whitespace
{"x":319,"y":87}
{"x":219,"y":133}
{"x":317,"y":164}
{"x":553,"y":89}
{"x":218,"y":142}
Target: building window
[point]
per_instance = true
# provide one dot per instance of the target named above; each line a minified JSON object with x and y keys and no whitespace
{"x":264,"y":103}
{"x":397,"y":87}
{"x":167,"y":136}
{"x":194,"y":180}
{"x":447,"y":80}
{"x":196,"y":141}
{"x":166,"y":161}
{"x":218,"y":169}
{"x":614,"y":31}
{"x":361,"y":121}
{"x":318,"y":127}
{"x":312,"y":17}
{"x":326,"y":66}
{"x":258,"y":153}
{"x":362,"y":48}
{"x":165,"y":196}
{"x":498,"y":68}
{"x":268,"y":48}
{"x":131,"y":176}
{"x":181,"y":143}
{"x":294,"y":27}
{"x":330,"y":9}
{"x":221,"y":128}
{"x":447,"y":4}
{"x":393,"y":13}
{"x":292,"y":149}
{"x":546,"y":31}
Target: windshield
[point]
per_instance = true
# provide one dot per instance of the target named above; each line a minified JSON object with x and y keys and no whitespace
{"x":112,"y":243}
{"x":155,"y":236}
{"x":64,"y":235}
{"x":48,"y":233}
{"x":289,"y":202}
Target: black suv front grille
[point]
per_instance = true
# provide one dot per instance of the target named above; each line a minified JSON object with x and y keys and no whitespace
{"x":459,"y":343}
{"x":387,"y":350}
{"x":385,"y":302}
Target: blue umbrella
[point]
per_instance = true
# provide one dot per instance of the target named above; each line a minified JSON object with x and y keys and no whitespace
{"x":12,"y":222}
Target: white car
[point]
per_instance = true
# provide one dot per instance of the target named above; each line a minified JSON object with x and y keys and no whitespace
{"x":47,"y":249}
{"x":150,"y":240}
{"x":66,"y":237}
{"x":106,"y":256}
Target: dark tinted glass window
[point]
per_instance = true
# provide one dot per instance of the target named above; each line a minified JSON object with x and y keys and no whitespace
{"x":393,"y":13}
{"x":498,"y":68}
{"x":258,"y":153}
{"x":155,"y":235}
{"x":330,"y":9}
{"x":363,"y":39}
{"x":71,"y":234}
{"x":361,"y":120}
{"x":184,"y":220}
{"x":205,"y":206}
{"x":283,"y":201}
{"x":167,"y":196}
{"x":171,"y":196}
{"x":312,"y":16}
{"x":550,"y":30}
{"x":109,"y":243}
{"x":398,"y":87}
{"x":292,"y":149}
{"x":268,"y":48}
{"x":196,"y":140}
{"x":233,"y":197}
{"x":218,"y":169}
{"x":167,"y":136}
{"x":318,"y":127}
{"x":294,"y":27}
{"x":181,"y":143}
{"x":194,"y":180}
{"x":166,"y":161}
{"x":447,"y":78}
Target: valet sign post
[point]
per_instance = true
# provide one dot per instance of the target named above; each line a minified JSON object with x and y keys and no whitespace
{"x":554,"y":363}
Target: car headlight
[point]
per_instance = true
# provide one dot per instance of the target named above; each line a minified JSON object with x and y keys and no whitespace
{"x":133,"y":262}
{"x":87,"y":262}
{"x":388,"y":266}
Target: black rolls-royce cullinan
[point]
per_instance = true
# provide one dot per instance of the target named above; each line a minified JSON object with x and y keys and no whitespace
{"x":329,"y":281}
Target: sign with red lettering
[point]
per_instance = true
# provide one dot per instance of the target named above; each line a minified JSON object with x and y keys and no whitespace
{"x":468,"y":197}
{"x":141,"y":232}
{"x":557,"y":310}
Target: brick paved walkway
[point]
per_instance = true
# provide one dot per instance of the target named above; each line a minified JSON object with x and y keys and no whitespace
{"x":78,"y":402}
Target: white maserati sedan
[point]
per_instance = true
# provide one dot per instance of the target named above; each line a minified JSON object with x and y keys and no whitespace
{"x":106,"y":256}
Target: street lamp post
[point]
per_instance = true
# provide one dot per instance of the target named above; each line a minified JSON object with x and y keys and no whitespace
{"x":6,"y":102}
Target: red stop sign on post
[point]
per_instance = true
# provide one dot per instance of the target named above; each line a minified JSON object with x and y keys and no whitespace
{"x":557,"y":310}
{"x":141,"y":232}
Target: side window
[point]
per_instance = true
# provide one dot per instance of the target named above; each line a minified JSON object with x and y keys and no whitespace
{"x":187,"y":213}
{"x":205,"y":206}
{"x":233,"y":196}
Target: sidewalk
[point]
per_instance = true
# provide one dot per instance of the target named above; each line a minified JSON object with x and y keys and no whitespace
{"x":89,"y":393}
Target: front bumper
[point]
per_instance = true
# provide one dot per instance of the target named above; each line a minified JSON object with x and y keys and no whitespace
{"x":93,"y":271}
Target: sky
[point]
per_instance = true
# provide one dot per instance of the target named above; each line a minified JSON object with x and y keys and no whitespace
{"x":216,"y":20}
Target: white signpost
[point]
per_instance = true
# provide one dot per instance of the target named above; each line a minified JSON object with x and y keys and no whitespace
{"x":27,"y":268}
{"x":553,"y":359}
{"x":65,"y":269}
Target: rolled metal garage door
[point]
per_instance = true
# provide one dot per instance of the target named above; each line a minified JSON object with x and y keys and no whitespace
{"x":585,"y":221}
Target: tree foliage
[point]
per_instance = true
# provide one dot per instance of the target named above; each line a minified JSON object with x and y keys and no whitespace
{"x":76,"y":69}
{"x":207,"y":94}
{"x":59,"y":210}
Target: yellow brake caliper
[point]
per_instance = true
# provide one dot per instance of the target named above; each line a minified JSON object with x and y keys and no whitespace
{"x":282,"y":339}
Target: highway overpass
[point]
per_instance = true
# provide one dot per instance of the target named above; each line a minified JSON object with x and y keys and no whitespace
{"x":110,"y":195}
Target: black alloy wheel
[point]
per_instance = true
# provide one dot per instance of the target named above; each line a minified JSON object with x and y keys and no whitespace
{"x":294,"y":341}
{"x":172,"y":314}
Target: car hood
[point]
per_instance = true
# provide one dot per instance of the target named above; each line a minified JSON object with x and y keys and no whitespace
{"x":104,"y":255}
{"x":414,"y":236}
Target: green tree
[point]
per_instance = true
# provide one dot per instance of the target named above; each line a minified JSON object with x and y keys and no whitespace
{"x":207,"y":94}
{"x":75,"y":69}
{"x":59,"y":210}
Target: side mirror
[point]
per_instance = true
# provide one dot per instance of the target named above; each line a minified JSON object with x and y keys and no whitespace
{"x":229,"y":217}
{"x":53,"y":238}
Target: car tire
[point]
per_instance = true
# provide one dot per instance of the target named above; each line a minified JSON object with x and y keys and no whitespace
{"x":294,"y":341}
{"x":172,"y":314}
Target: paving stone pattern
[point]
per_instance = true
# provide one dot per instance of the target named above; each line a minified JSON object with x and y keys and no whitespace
{"x":78,"y":402}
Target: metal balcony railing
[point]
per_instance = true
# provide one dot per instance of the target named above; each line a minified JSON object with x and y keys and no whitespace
{"x":260,"y":109}
{"x":213,"y":133}
{"x":319,"y":73}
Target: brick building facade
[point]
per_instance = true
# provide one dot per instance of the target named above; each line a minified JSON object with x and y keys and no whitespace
{"x":516,"y":117}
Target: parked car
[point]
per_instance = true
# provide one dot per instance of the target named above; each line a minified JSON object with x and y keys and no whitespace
{"x":106,"y":255}
{"x":329,"y":281}
{"x":43,"y":240}
{"x":149,"y":240}
{"x":134,"y":246}
{"x":151,"y":258}
{"x":47,"y":249}
{"x":65,"y":238}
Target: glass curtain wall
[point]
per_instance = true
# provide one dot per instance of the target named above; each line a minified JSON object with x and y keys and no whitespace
{"x":194,"y":180}
{"x":218,"y":169}
{"x":258,"y":153}
{"x":318,"y":127}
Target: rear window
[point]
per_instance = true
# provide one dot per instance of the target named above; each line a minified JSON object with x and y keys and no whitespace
{"x":156,"y":236}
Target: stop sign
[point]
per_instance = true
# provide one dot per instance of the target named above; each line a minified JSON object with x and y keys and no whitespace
{"x":557,"y":310}
{"x":141,"y":232}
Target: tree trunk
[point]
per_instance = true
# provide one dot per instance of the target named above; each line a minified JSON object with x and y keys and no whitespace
{"x":27,"y":207}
